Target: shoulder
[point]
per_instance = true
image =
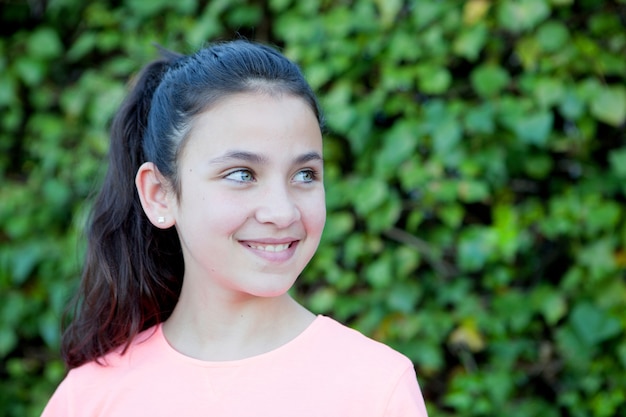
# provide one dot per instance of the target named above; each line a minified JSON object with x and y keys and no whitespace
{"x":350,"y":346}
{"x":344,"y":337}
{"x":143,"y":348}
{"x":90,"y":387}
{"x":348,"y":362}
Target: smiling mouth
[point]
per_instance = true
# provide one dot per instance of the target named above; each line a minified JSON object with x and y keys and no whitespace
{"x":271,"y":248}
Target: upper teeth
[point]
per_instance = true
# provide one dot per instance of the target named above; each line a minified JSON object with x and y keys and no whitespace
{"x":271,"y":248}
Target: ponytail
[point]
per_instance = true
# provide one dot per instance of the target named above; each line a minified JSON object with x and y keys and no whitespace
{"x":133,"y":271}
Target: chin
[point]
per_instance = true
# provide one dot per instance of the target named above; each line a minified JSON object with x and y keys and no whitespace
{"x":271,"y":291}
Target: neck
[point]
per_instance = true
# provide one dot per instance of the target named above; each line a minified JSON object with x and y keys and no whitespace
{"x":219,"y":329}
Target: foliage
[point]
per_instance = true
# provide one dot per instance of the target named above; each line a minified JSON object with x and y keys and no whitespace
{"x":476,"y":171}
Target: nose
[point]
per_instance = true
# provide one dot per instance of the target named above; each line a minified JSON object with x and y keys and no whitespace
{"x":277,"y":205}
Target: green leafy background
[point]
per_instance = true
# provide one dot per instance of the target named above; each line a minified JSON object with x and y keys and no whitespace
{"x":476,"y":181}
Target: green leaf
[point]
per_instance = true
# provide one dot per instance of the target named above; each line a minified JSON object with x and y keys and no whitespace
{"x":548,"y":91}
{"x":318,"y":74}
{"x":472,"y":191}
{"x":475,"y":248}
{"x":603,"y":216}
{"x":446,"y":137}
{"x":521,"y":15}
{"x":403,"y":297}
{"x":529,"y":52}
{"x":185,"y":6}
{"x":340,"y":114}
{"x":534,"y":128}
{"x":403,"y":46}
{"x":44,"y":43}
{"x":538,"y":166}
{"x":609,"y":105}
{"x":442,"y":122}
{"x":451,"y":215}
{"x":575,"y":353}
{"x":206,"y":26}
{"x":617,"y":159}
{"x":512,"y":305}
{"x":433,"y":79}
{"x":470,"y":41}
{"x":598,"y":257}
{"x":85,"y":43}
{"x":480,"y":119}
{"x":56,"y":193}
{"x":8,"y":340}
{"x":8,"y":92}
{"x":338,"y":225}
{"x":389,"y":9}
{"x":592,"y":324}
{"x":489,"y":80}
{"x":622,"y":353}
{"x":445,"y":191}
{"x":506,"y":228}
{"x":147,"y":8}
{"x":245,"y":15}
{"x":399,"y":145}
{"x":323,"y":300}
{"x":31,"y":70}
{"x":380,"y":272}
{"x":550,"y":303}
{"x":279,"y":5}
{"x":425,"y":12}
{"x":49,"y":328}
{"x":406,"y":261}
{"x":369,"y":194}
{"x":25,"y":260}
{"x":552,"y":36}
{"x":572,"y":106}
{"x":386,"y":215}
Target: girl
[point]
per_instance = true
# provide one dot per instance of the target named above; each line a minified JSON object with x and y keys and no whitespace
{"x":212,"y":206}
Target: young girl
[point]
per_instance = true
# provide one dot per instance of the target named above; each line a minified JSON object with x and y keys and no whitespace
{"x":212,"y":206}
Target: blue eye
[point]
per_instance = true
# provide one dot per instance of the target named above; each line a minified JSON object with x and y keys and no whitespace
{"x":241,"y":175}
{"x":306,"y":175}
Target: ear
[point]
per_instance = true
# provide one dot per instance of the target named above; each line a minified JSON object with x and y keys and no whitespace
{"x":155,"y":195}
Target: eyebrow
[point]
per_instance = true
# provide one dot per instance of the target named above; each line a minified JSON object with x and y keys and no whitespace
{"x":308,"y":157}
{"x":260,"y":159}
{"x":239,"y":156}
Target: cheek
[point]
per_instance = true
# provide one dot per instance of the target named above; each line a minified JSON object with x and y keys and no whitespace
{"x":214,"y":214}
{"x":227,"y":215}
{"x":316,"y":216}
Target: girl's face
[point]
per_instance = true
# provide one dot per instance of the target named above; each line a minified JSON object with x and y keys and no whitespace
{"x":252,"y":207}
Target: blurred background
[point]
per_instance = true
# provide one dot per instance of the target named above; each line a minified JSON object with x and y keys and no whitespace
{"x":476,"y":181}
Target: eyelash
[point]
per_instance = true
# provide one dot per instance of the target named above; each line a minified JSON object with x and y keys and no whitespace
{"x":310,"y":172}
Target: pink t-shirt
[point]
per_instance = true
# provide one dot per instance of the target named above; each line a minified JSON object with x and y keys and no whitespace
{"x":328,"y":370}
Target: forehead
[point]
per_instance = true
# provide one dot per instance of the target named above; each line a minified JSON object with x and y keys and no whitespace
{"x":256,"y":121}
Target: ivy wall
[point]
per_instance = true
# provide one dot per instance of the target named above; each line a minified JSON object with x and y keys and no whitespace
{"x":476,"y":181}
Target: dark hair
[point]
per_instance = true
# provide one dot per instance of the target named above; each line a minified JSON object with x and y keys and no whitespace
{"x":133,"y":270}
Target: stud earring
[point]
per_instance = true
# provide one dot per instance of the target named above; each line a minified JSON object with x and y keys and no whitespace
{"x":161,"y":219}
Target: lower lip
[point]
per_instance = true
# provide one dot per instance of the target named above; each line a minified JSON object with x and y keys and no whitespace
{"x":274,"y":257}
